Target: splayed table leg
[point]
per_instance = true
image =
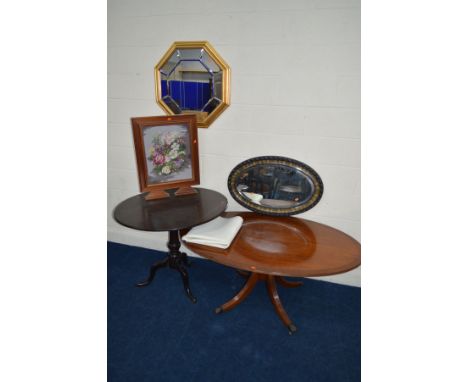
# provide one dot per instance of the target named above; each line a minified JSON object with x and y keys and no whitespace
{"x":275,"y":300}
{"x":288,"y":284}
{"x":175,"y":260}
{"x":157,"y":265}
{"x":252,"y":280}
{"x":241,"y":296}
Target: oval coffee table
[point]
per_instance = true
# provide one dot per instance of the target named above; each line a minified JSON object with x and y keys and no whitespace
{"x":171,"y":214}
{"x":269,"y":248}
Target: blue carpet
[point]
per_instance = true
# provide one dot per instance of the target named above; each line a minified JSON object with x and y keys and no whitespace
{"x":157,"y":334}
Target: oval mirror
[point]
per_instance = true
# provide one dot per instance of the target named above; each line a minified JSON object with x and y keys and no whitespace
{"x":275,"y":185}
{"x":192,"y":78}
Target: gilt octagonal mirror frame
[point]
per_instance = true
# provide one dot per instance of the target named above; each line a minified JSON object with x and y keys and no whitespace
{"x":192,"y":78}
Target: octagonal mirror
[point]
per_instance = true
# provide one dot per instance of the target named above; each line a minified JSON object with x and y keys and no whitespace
{"x":192,"y":78}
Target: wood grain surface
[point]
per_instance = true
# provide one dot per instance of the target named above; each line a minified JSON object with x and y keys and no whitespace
{"x":285,"y":246}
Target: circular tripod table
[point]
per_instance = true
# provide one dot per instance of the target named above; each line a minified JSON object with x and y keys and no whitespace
{"x":269,"y":248}
{"x":171,"y":214}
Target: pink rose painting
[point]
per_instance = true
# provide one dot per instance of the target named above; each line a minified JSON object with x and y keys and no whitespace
{"x":168,"y":153}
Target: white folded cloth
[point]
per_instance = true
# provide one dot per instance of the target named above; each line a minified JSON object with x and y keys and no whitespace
{"x":219,"y":232}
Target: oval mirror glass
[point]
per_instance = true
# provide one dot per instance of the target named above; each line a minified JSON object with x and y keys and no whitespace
{"x":275,"y":185}
{"x":192,"y":78}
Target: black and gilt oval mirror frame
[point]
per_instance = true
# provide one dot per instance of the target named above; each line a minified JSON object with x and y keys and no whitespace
{"x":307,"y":171}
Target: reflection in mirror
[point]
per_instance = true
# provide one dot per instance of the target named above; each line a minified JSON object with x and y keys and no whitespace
{"x":275,"y":185}
{"x":192,"y":79}
{"x":188,"y":81}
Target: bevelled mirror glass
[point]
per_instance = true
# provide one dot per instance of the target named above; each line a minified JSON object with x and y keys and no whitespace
{"x":275,"y":185}
{"x":192,"y":78}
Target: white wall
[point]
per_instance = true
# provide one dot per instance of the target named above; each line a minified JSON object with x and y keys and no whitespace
{"x":295,"y":92}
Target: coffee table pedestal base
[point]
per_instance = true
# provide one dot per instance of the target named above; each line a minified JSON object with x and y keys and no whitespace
{"x":270,"y":280}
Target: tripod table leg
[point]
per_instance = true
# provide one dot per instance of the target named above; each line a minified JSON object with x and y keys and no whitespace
{"x":154,"y":268}
{"x":185,"y":280}
{"x":185,"y":259}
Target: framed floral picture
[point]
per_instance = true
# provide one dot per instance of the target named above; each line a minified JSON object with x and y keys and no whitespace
{"x":166,"y":150}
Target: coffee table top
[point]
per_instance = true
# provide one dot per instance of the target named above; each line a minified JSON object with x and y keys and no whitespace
{"x":168,"y":214}
{"x":285,"y":246}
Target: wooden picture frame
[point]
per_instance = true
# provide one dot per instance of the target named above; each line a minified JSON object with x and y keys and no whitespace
{"x":166,"y":149}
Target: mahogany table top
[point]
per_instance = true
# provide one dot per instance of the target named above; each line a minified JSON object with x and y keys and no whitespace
{"x":286,"y":246}
{"x":173,"y":213}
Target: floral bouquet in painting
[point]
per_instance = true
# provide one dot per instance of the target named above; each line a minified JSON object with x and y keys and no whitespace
{"x":168,"y":153}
